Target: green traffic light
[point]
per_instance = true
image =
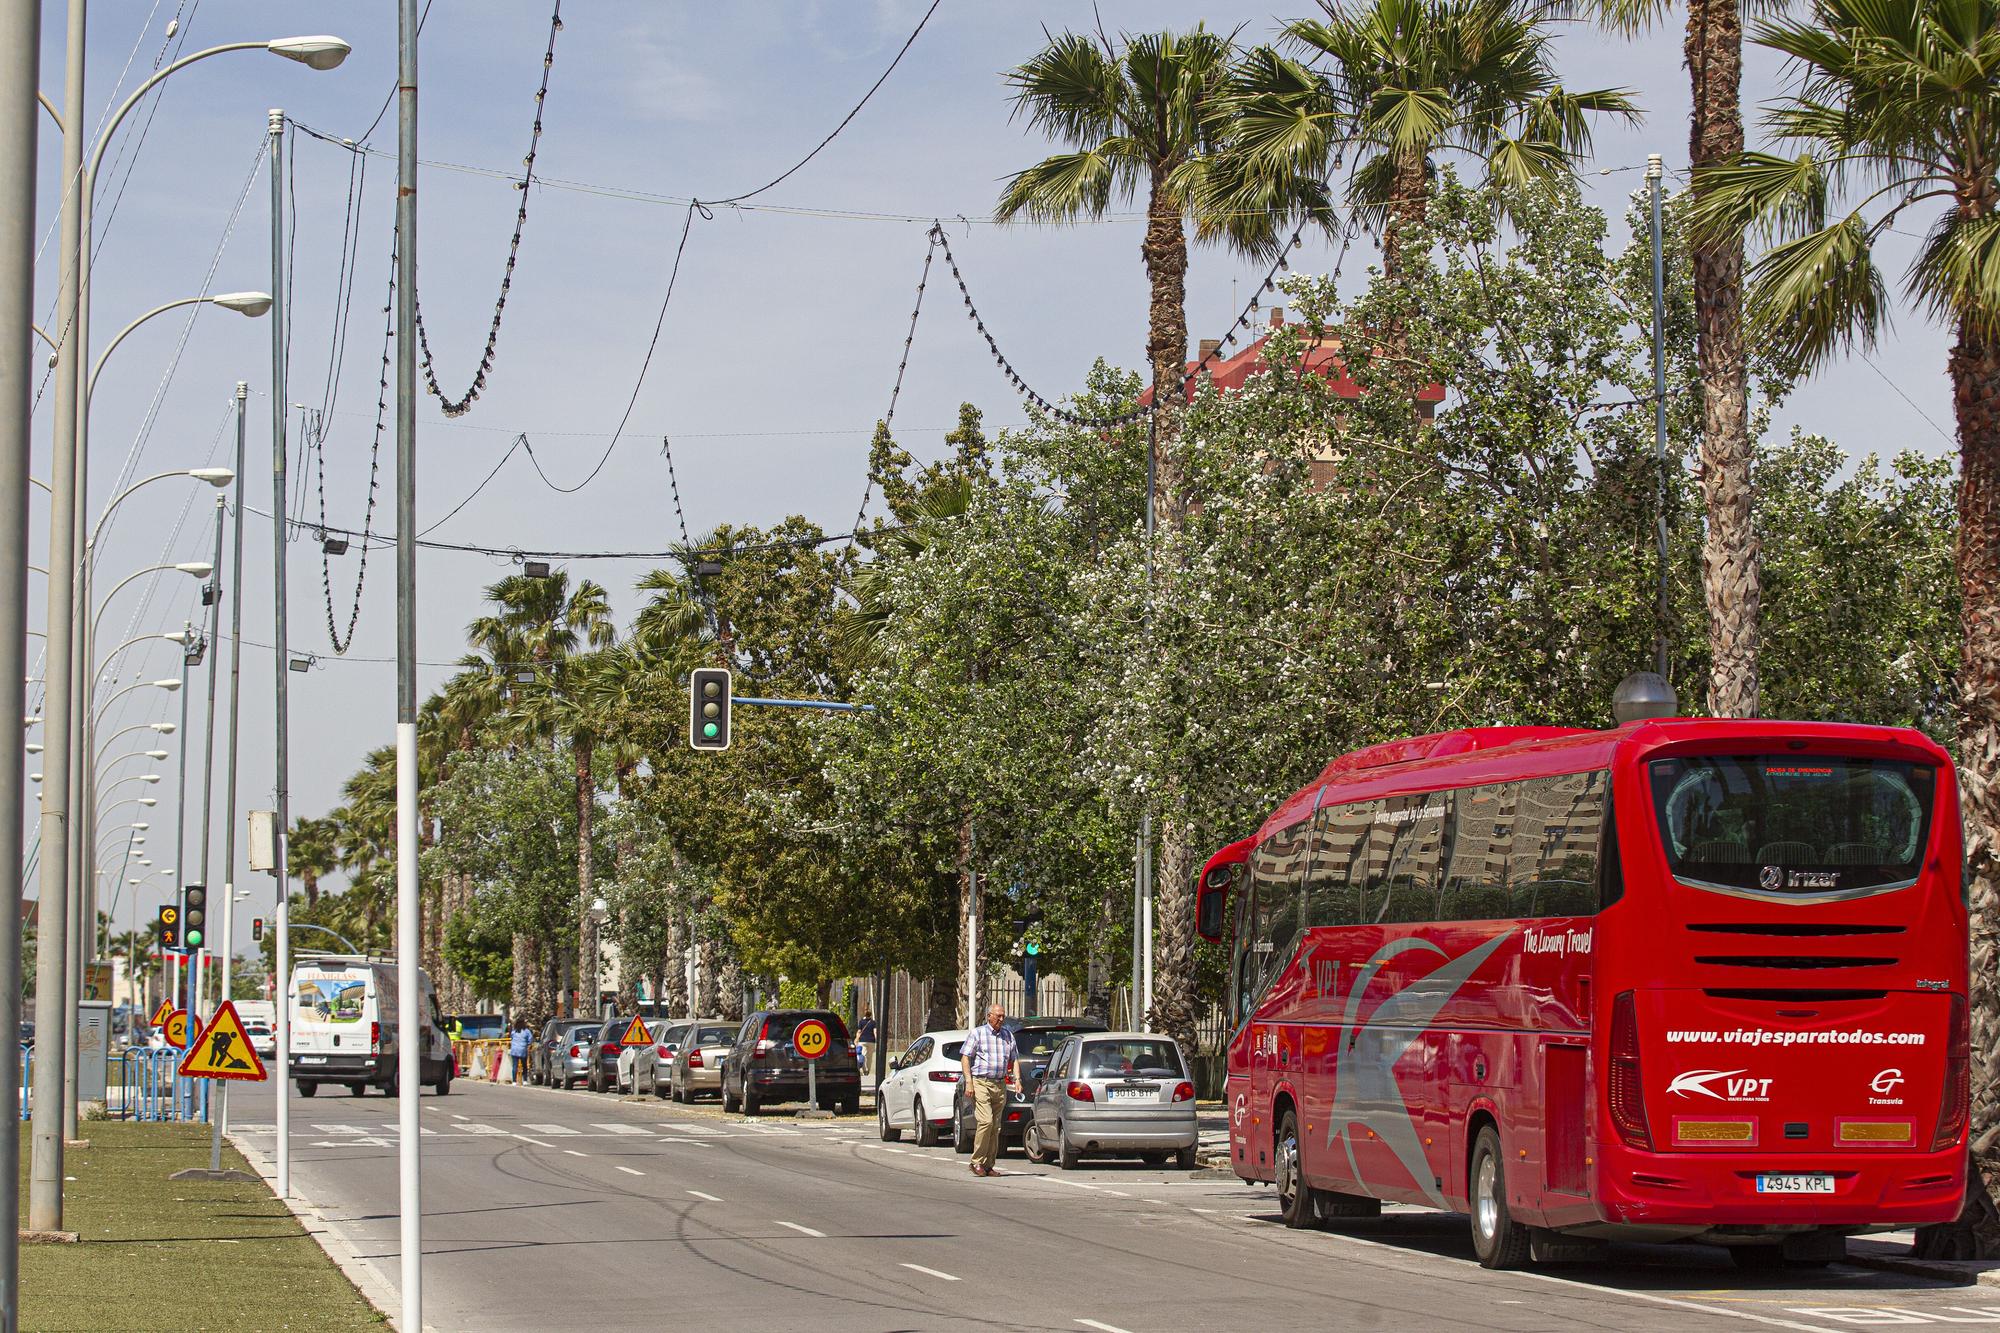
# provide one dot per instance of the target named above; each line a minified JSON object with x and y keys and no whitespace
{"x":1033,"y":948}
{"x":194,"y":939}
{"x":710,"y":730}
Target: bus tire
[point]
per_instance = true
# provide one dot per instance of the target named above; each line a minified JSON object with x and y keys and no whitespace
{"x":1498,"y":1240}
{"x":1296,"y":1199}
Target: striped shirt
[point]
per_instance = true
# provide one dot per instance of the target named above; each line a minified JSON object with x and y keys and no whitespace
{"x":991,"y":1053}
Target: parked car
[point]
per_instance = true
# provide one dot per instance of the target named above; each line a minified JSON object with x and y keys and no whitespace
{"x":697,"y":1067}
{"x":609,"y":1039}
{"x":1111,"y":1094}
{"x":918,"y":1092}
{"x":1035,"y":1041}
{"x":762,"y":1067}
{"x":561,"y":1055}
{"x":645,"y":1068}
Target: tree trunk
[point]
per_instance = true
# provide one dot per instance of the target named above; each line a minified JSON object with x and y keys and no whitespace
{"x":310,"y":878}
{"x":673,"y":968}
{"x":1975,"y":377}
{"x":1164,"y":251}
{"x":728,"y":974}
{"x":529,"y":994}
{"x":971,"y":929}
{"x":1173,"y":932}
{"x":588,"y":979}
{"x":1731,"y":579}
{"x":1408,"y":203}
{"x":1097,"y":973}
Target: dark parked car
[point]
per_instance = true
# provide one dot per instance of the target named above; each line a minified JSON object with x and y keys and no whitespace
{"x":561,"y":1055}
{"x":610,"y":1039}
{"x":1035,"y":1041}
{"x":763,"y":1067}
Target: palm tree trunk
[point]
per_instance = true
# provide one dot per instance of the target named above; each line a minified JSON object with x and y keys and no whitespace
{"x":1975,"y":376}
{"x":587,"y":985}
{"x":1173,"y":931}
{"x":1164,"y":251}
{"x":1097,"y":971}
{"x":310,"y":878}
{"x":673,"y":968}
{"x":1408,"y":204}
{"x":529,"y":993}
{"x":1731,"y":579}
{"x":971,"y":945}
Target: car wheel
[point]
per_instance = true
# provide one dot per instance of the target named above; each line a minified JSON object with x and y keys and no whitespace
{"x":851,"y":1104}
{"x":1758,"y":1258}
{"x":1067,"y":1157}
{"x":1153,"y":1158}
{"x":306,"y":1089}
{"x":357,"y":1089}
{"x":729,"y":1103}
{"x":886,"y":1131}
{"x":963,"y":1130}
{"x":1031,"y":1144}
{"x":750,"y":1102}
{"x":927,"y":1132}
{"x":1295,"y":1197}
{"x":1497,"y":1238}
{"x":660,"y":1093}
{"x":1185,"y":1159}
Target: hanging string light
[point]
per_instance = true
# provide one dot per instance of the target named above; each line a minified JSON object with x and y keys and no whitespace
{"x":342,"y":642}
{"x":896,"y":391}
{"x":458,"y":407}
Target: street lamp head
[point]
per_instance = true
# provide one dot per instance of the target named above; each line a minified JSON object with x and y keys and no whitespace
{"x":200,"y":569}
{"x":178,"y":635}
{"x":164,"y":728}
{"x":142,"y":827}
{"x":321,"y":53}
{"x":149,"y":777}
{"x":252,"y":304}
{"x":34,"y":777}
{"x":34,"y":747}
{"x":156,"y":754}
{"x":217,"y":477}
{"x":168,"y":685}
{"x":31,"y":721}
{"x":149,"y":800}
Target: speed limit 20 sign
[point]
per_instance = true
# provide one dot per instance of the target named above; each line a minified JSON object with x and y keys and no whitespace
{"x":810,"y":1039}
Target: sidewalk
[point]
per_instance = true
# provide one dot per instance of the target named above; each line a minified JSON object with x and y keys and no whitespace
{"x":167,"y":1254}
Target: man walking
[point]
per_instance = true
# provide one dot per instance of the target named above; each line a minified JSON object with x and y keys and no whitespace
{"x":987,"y":1062}
{"x":518,"y":1049}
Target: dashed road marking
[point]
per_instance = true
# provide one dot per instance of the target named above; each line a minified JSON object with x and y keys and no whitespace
{"x":1102,"y":1328}
{"x":537,"y":1142}
{"x":623,"y":1129}
{"x":574,"y":1153}
{"x":932,"y":1272}
{"x":630,"y":1172}
{"x":550,"y":1129}
{"x":709,"y":1197}
{"x":803,"y":1231}
{"x":474,"y":1127}
{"x":340,"y":1129}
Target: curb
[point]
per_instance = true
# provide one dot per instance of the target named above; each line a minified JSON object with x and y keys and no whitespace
{"x":1959,"y":1272}
{"x":373,"y":1287}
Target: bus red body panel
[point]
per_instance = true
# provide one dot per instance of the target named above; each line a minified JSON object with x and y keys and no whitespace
{"x":1733,"y":1009}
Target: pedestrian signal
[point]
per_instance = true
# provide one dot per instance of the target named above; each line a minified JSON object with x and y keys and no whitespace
{"x":223,"y":1050}
{"x":194,"y":911}
{"x":170,"y":926}
{"x":708,"y":708}
{"x":257,"y":928}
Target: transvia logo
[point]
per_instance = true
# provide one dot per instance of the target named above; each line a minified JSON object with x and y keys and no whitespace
{"x":1365,"y":1092}
{"x":1887,"y":1081}
{"x":1695,"y":1082}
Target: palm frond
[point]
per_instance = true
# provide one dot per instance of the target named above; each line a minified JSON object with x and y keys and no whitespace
{"x":1067,"y":186}
{"x":1819,"y":294}
{"x":1956,"y":275}
{"x":1786,"y":196}
{"x":1069,"y":91}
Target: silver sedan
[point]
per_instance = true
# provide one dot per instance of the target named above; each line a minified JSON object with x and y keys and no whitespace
{"x":1114,"y":1094}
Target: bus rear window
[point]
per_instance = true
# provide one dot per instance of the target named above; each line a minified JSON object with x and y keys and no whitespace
{"x":1797,"y":825}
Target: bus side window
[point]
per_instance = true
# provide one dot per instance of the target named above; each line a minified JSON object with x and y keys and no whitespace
{"x":1340,"y":834}
{"x":1475,"y":882}
{"x":1553,"y":865}
{"x":1408,"y":887}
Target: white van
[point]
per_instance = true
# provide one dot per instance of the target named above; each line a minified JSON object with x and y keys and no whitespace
{"x":345,"y":1028}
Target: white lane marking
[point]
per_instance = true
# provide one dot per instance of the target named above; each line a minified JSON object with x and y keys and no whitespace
{"x":687,"y":1143}
{"x":474,"y":1127}
{"x":550,"y":1129}
{"x":630,"y":1172}
{"x":1073,"y":1184}
{"x":1102,"y":1328}
{"x":705,"y":1131}
{"x":932,"y":1272}
{"x":454,"y":1115}
{"x":1203,"y":1210}
{"x":574,"y":1153}
{"x":899,"y":1150}
{"x":623,"y":1129}
{"x":699,"y":1195}
{"x":803,"y":1231}
{"x":1121,"y":1194}
{"x":340,"y":1129}
{"x":537,"y":1142}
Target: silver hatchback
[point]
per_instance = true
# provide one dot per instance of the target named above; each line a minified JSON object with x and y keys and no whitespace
{"x":1114,"y":1094}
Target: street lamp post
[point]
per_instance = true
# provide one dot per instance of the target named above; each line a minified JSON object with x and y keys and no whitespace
{"x":70,"y":480}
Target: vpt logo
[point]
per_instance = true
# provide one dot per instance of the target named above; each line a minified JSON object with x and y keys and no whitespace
{"x":1735,"y":1088}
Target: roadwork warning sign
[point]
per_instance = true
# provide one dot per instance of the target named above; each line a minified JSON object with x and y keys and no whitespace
{"x":223,"y":1050}
{"x":160,"y":1014}
{"x":636,"y":1034}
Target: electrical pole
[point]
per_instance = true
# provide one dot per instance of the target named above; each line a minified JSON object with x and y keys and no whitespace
{"x":280,"y":661}
{"x":1142,"y":857}
{"x":1654,"y":172}
{"x":45,"y":1180}
{"x":20,"y":38}
{"x":412,"y":1020}
{"x":215,"y":595}
{"x":235,"y":691}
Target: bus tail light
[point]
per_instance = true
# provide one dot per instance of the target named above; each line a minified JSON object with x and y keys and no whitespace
{"x":1628,"y":1103}
{"x":1080,"y":1092}
{"x":1957,"y":1079}
{"x":1184,"y":1092}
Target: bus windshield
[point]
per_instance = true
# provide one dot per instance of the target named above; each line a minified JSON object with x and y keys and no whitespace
{"x":1801,"y":825}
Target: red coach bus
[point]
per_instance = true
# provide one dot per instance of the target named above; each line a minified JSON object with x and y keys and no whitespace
{"x":1687,"y":979}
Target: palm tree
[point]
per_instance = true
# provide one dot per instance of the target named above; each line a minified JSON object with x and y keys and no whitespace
{"x":1140,"y":115}
{"x":1895,"y":112}
{"x":1732,"y":577}
{"x":1402,"y":83}
{"x":312,"y":852}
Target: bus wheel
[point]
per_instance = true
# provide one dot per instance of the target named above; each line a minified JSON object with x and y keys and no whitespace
{"x":1497,"y":1238}
{"x":1295,"y":1197}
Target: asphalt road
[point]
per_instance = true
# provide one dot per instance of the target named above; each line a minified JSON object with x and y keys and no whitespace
{"x":550,"y":1210}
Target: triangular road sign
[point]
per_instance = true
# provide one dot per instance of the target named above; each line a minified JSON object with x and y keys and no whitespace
{"x":223,"y":1050}
{"x":160,"y":1014}
{"x":636,"y":1034}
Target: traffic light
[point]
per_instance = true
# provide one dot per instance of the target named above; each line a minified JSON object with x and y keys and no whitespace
{"x":194,"y":910}
{"x":170,"y":926}
{"x":257,"y":928}
{"x":708,"y":708}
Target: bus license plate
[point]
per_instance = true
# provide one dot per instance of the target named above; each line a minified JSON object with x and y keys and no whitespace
{"x":1795,"y":1183}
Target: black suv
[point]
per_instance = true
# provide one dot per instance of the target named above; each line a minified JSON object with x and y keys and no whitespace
{"x":763,"y":1067}
{"x":1035,"y":1042}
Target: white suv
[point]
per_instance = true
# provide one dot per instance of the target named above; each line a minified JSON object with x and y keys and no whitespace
{"x":917,"y":1093}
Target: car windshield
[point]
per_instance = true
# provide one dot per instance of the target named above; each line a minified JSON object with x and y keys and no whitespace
{"x":1036,"y":1043}
{"x":481,"y":1025}
{"x":716,"y":1036}
{"x":1134,"y":1057}
{"x":781,"y":1026}
{"x":1793,"y":824}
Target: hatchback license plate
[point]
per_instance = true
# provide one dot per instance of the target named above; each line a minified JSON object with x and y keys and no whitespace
{"x":1132,"y":1094}
{"x":1795,"y":1183}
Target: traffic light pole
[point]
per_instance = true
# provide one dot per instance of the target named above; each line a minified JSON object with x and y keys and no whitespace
{"x":229,"y":783}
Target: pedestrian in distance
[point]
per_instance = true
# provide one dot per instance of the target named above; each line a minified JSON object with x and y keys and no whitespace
{"x":864,"y":1041}
{"x":517,"y":1049}
{"x":987,"y":1064}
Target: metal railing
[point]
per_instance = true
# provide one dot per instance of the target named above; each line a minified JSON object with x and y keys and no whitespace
{"x":151,"y":1089}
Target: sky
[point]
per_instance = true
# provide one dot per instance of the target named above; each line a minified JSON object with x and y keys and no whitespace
{"x":774,"y":358}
